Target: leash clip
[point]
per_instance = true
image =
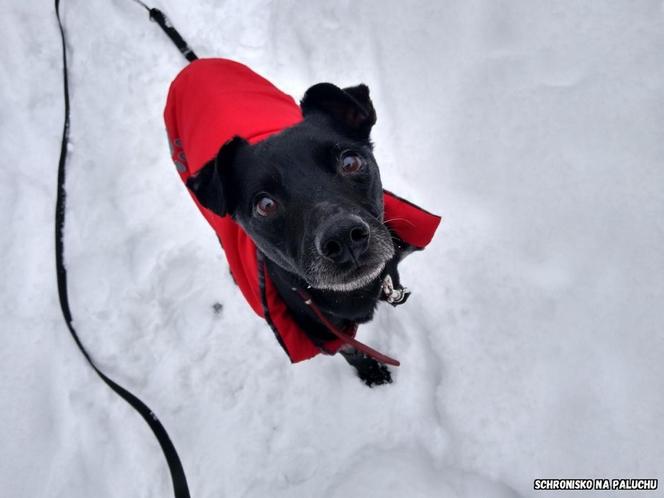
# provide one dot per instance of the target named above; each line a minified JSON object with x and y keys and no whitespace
{"x":394,"y":296}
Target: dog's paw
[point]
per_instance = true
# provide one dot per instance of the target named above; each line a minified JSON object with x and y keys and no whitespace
{"x":374,"y":373}
{"x":369,"y":370}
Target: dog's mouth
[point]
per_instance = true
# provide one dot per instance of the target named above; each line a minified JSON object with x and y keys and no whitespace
{"x":356,"y":278}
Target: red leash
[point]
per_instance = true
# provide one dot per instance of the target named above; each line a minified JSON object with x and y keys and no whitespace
{"x":348,"y":339}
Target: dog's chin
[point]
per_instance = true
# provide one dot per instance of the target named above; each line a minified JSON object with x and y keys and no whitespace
{"x":353,"y":280}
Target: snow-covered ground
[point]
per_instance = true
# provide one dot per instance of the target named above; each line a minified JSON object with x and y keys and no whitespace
{"x":532,"y":347}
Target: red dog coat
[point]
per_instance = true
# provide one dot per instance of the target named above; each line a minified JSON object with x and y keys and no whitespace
{"x":210,"y":102}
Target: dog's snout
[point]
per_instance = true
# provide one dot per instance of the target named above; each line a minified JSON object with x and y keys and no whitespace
{"x":343,"y":239}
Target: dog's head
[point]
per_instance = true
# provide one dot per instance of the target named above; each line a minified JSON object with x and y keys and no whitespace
{"x":310,"y":196}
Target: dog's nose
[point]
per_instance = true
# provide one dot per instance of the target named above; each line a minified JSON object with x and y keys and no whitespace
{"x":344,"y":239}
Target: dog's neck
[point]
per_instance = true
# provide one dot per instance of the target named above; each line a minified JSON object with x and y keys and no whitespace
{"x":342,"y":308}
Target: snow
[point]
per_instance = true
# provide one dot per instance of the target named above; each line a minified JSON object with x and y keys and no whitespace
{"x":532,"y":346}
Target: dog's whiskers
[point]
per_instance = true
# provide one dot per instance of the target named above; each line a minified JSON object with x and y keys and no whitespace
{"x":400,"y":219}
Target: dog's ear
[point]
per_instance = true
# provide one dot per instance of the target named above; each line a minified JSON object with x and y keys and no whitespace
{"x":350,"y":107}
{"x":210,"y":184}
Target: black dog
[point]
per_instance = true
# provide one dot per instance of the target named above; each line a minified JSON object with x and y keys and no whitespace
{"x":297,"y":205}
{"x":311,"y":198}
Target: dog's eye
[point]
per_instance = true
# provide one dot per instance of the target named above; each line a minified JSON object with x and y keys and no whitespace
{"x":266,"y":205}
{"x":350,"y":163}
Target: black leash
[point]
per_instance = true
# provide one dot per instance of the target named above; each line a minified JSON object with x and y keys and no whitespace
{"x":180,"y":488}
{"x":160,"y":18}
